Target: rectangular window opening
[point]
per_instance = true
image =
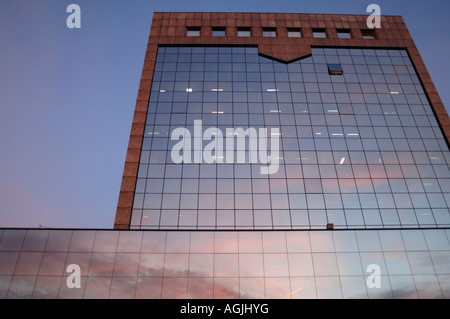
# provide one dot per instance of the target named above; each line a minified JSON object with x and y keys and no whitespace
{"x":335,"y":69}
{"x":319,"y":33}
{"x":368,"y":34}
{"x":193,"y":31}
{"x":294,"y":32}
{"x":344,"y":34}
{"x":269,"y":32}
{"x":244,"y":32}
{"x":218,"y":31}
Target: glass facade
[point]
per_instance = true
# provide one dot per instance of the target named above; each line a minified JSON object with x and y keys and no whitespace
{"x":359,"y":150}
{"x":224,"y":264}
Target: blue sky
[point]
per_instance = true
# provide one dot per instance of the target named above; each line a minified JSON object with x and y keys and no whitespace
{"x":67,"y":96}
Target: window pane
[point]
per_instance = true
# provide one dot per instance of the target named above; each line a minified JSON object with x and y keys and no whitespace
{"x":244,"y":32}
{"x":218,"y":32}
{"x":294,"y":33}
{"x":193,"y":31}
{"x":269,"y":32}
{"x":344,"y":34}
{"x":319,"y":33}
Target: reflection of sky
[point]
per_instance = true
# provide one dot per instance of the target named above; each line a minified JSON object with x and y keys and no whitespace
{"x":301,"y":264}
{"x":67,"y":96}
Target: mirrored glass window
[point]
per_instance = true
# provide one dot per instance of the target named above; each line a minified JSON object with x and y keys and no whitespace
{"x":347,"y":132}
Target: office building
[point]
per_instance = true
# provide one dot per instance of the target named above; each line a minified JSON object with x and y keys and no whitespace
{"x":270,"y":156}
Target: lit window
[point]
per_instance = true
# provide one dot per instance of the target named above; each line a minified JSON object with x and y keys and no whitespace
{"x":344,"y":34}
{"x":218,"y":31}
{"x":319,"y":33}
{"x":335,"y":69}
{"x":368,"y":34}
{"x":193,"y":31}
{"x":294,"y":33}
{"x":244,"y":32}
{"x":269,"y":32}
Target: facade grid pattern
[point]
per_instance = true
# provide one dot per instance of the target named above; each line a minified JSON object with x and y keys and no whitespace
{"x":224,"y":264}
{"x":361,"y":150}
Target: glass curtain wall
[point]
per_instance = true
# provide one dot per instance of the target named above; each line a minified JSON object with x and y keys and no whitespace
{"x":359,"y":148}
{"x":225,"y":264}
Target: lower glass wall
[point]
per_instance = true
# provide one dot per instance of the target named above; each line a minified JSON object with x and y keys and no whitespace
{"x":38,"y":263}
